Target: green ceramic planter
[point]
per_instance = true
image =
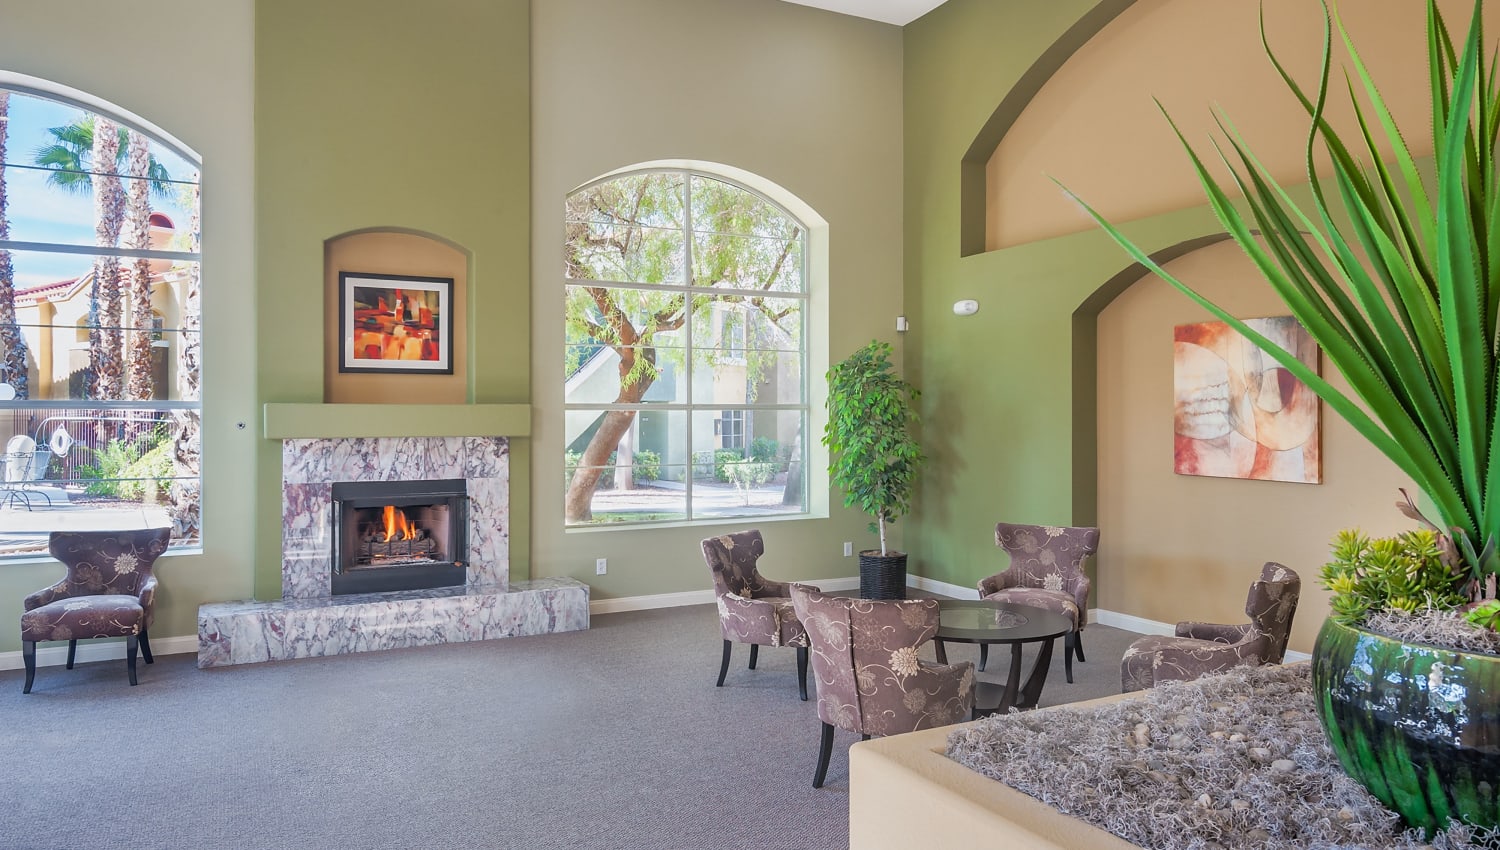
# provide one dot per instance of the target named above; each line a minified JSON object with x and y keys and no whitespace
{"x":1417,"y":725}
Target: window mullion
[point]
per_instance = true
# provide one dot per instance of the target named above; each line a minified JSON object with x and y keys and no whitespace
{"x":735,"y":342}
{"x":689,"y":351}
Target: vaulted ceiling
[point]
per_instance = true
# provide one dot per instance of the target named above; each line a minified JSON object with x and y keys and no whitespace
{"x":898,"y":12}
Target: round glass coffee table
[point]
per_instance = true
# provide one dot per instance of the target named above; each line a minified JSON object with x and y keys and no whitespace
{"x":985,"y":622}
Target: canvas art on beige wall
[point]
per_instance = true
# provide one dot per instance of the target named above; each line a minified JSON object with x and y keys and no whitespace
{"x":1237,"y":412}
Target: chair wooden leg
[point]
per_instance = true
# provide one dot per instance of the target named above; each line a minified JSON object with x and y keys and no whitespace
{"x":131,"y":646}
{"x":724,"y":665}
{"x":825,"y":750}
{"x":72,"y":650}
{"x":1078,"y":645}
{"x":28,"y":654}
{"x":802,"y":672}
{"x":984,"y":655}
{"x":1068,"y":655}
{"x":754,"y":652}
{"x":146,"y":647}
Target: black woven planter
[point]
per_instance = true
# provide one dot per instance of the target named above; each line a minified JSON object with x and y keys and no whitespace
{"x":882,"y":576}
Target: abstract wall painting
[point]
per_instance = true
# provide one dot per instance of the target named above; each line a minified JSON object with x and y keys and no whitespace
{"x":1240,"y":414}
{"x":395,"y":323}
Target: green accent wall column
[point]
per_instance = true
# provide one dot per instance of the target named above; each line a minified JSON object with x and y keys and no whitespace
{"x":997,"y":386}
{"x":391,"y":114}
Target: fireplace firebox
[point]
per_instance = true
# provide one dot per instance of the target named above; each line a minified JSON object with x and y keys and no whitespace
{"x":399,"y":535}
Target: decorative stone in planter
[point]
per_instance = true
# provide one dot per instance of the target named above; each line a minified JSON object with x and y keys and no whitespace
{"x":1417,"y":725}
{"x":1236,"y":760}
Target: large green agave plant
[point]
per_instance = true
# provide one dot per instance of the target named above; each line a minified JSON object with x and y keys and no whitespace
{"x":1402,"y":289}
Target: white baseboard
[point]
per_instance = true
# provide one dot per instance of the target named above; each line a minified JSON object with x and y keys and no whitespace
{"x":1128,"y":622}
{"x":693,"y":597}
{"x":56,"y":654}
{"x":932,"y":585}
{"x":1132,"y":623}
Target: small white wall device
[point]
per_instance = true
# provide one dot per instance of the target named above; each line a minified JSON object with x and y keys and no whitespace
{"x":967,"y":307}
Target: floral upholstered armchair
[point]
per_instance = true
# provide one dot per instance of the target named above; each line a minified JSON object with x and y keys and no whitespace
{"x":752,"y":608}
{"x":1199,"y":649}
{"x":868,"y":675}
{"x":1046,"y":571}
{"x":109,"y":591}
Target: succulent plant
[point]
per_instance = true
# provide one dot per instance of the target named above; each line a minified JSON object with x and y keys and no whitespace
{"x":1405,"y":573}
{"x":1486,"y":615}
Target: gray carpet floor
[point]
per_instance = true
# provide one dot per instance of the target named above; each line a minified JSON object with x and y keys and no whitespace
{"x":610,"y":738}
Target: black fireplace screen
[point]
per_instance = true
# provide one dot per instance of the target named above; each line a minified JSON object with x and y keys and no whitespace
{"x":399,"y":535}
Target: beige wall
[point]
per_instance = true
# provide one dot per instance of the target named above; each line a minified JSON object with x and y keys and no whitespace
{"x":806,"y":99}
{"x":1177,"y":547}
{"x":209,"y":107}
{"x":385,"y":252}
{"x":1094,"y":128}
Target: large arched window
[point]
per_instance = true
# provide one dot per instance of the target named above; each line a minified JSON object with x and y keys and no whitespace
{"x":99,"y":319}
{"x":686,"y":351}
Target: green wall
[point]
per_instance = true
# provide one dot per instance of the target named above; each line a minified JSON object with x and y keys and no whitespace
{"x":195,"y":82}
{"x":998,"y":385}
{"x":390,"y":114}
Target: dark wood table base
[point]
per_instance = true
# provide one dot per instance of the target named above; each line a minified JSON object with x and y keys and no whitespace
{"x":1014,"y":695}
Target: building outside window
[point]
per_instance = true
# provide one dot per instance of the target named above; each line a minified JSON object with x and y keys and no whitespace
{"x":686,"y":334}
{"x":99,"y":321}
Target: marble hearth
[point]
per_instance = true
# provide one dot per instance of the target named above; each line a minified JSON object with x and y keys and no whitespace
{"x":308,"y":621}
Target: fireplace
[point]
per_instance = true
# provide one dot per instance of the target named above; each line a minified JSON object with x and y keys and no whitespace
{"x":399,"y":535}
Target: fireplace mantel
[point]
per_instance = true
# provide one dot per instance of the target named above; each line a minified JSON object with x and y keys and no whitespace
{"x":324,"y":445}
{"x":293,"y":421}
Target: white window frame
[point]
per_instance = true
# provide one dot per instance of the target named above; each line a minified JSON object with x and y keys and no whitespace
{"x":64,"y":409}
{"x":814,"y":502}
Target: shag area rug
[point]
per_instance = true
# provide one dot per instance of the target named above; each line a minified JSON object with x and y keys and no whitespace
{"x":1230,"y":761}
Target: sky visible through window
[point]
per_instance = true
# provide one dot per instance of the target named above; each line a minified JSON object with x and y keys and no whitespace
{"x":42,"y":213}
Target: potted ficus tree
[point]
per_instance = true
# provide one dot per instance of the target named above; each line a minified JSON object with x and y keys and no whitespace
{"x":873,"y":456}
{"x":1394,"y":269}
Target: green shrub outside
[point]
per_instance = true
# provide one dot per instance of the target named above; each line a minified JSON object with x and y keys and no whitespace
{"x":647,"y":467}
{"x":723,"y":460}
{"x":122,"y":470}
{"x":765,"y":449}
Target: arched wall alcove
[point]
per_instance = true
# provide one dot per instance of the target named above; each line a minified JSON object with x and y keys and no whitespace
{"x":1176,"y":547}
{"x":399,"y":252}
{"x":974,"y":167}
{"x":1088,"y":113}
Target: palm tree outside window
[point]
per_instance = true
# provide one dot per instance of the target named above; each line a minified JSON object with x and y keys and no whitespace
{"x":91,"y":264}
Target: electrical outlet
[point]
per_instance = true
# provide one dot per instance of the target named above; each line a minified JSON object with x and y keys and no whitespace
{"x":848,"y":549}
{"x":601,"y":566}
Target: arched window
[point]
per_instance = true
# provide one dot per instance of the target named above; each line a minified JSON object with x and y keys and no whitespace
{"x":90,"y":263}
{"x":686,"y":351}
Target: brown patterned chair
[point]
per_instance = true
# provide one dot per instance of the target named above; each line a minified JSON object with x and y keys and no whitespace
{"x":1200,"y":649}
{"x":752,"y":608}
{"x":1046,"y":571}
{"x":868,"y":675}
{"x":109,"y":591}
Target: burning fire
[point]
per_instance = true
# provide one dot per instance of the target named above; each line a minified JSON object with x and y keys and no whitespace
{"x":397,"y":527}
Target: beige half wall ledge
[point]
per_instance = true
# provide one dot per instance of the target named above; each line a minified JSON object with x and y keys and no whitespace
{"x":292,"y":421}
{"x":905,"y":792}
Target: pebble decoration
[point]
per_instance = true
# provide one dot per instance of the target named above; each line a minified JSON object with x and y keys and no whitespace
{"x":1228,"y":761}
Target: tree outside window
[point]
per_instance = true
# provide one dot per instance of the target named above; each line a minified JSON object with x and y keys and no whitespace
{"x":685,"y":299}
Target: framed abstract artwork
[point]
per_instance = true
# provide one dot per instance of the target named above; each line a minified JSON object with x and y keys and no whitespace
{"x":1237,"y":412}
{"x":395,"y":323}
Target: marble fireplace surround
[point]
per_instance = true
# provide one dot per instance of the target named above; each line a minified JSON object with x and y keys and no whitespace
{"x":309,"y":621}
{"x":309,"y":469}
